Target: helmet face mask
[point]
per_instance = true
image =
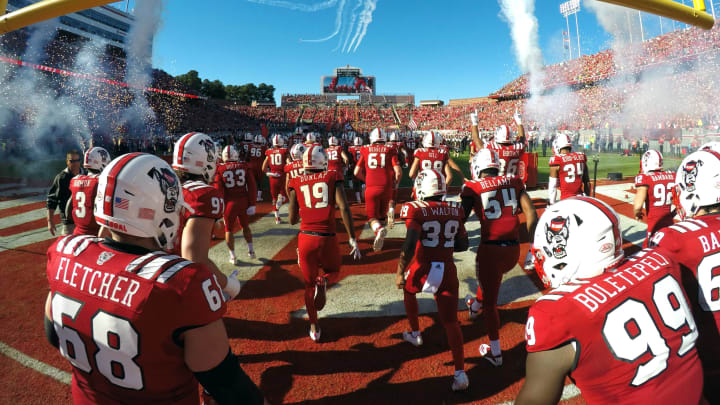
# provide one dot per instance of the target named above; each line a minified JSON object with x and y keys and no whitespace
{"x":194,"y":153}
{"x":576,"y":238}
{"x":140,"y":195}
{"x":697,"y":183}
{"x":429,"y":183}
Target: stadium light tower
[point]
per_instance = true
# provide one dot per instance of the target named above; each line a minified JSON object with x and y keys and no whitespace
{"x":569,"y":8}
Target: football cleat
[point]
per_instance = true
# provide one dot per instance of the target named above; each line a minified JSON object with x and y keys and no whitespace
{"x":277,"y":221}
{"x":469,"y":301}
{"x":486,"y":354}
{"x":320,"y":293}
{"x":232,"y":257}
{"x":259,"y":196}
{"x":251,"y":254}
{"x":414,"y":340}
{"x":315,"y":336}
{"x":379,"y":239}
{"x":460,"y":381}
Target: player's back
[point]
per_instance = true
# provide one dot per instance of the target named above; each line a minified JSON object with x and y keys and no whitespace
{"x":632,"y":330}
{"x":432,"y":158}
{"x":497,"y":205}
{"x":84,"y":188}
{"x":659,"y":194}
{"x":438,"y":224}
{"x":572,"y":167}
{"x":695,"y":244}
{"x":276,"y":159}
{"x":379,"y":161}
{"x":510,"y":155}
{"x":121,"y":313}
{"x":294,"y":169}
{"x":355,"y":152}
{"x":256,"y":155}
{"x":315,"y":193}
{"x":233,"y":178}
{"x":335,"y":161}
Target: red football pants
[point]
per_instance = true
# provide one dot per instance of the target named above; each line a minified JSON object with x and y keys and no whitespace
{"x":377,"y":200}
{"x":235,"y":209}
{"x":492,"y":261}
{"x":315,"y":252}
{"x":277,"y":187}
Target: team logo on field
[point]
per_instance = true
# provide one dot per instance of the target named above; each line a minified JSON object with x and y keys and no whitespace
{"x":556,"y":234}
{"x":104,"y":256}
{"x":168,"y":185}
{"x":690,"y":174}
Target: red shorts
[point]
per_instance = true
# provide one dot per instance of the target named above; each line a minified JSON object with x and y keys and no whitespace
{"x":235,"y":209}
{"x":277,"y":186}
{"x":376,"y":201}
{"x":316,"y":252}
{"x":417,"y":275}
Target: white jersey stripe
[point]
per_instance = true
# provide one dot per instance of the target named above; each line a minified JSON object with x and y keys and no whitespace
{"x":73,"y":242}
{"x":689,"y":225}
{"x":140,"y":260}
{"x":61,"y":243}
{"x":697,"y":222}
{"x":165,"y":275}
{"x":148,"y":271}
{"x":678,"y":228}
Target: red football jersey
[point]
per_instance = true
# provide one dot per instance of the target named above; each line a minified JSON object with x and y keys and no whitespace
{"x":410,"y":143}
{"x":256,"y":156}
{"x":117,"y":310}
{"x":276,"y":160}
{"x":378,"y":161}
{"x":315,"y":193}
{"x":632,"y":330}
{"x":335,"y":161}
{"x":438,"y":223}
{"x":695,"y":244}
{"x":84,"y":188}
{"x":355,"y":153}
{"x":294,"y":169}
{"x":245,"y":149}
{"x":510,"y":157}
{"x":659,"y":198}
{"x":296,"y":138}
{"x":497,"y":205}
{"x":234,"y":182}
{"x":572,"y":168}
{"x":432,"y":158}
{"x":206,"y":201}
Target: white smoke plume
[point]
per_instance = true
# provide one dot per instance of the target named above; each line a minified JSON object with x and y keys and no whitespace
{"x":520,"y":16}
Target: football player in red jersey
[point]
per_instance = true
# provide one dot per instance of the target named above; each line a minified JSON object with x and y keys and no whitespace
{"x":568,"y":170}
{"x":235,"y":182}
{"x":509,"y":151}
{"x":695,"y":244}
{"x":313,"y":196}
{"x":497,"y":201}
{"x":245,"y":145}
{"x":653,"y":191}
{"x":434,"y":231}
{"x":139,"y":325}
{"x":399,"y":146}
{"x":357,"y":184}
{"x":255,"y":159}
{"x":294,"y":168}
{"x":337,"y":158}
{"x":622,"y":330}
{"x":433,"y":156}
{"x":380,"y":169}
{"x":83,"y":188}
{"x":194,"y":162}
{"x":274,"y":166}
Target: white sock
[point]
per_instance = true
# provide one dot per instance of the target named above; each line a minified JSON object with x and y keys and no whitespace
{"x":375,"y":226}
{"x":495,"y":347}
{"x":232,"y":254}
{"x":259,"y":194}
{"x":357,"y":195}
{"x":391,"y":211}
{"x":250,"y":247}
{"x":277,"y":214}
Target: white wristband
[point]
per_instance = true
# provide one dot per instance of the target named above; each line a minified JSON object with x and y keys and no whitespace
{"x":232,"y":288}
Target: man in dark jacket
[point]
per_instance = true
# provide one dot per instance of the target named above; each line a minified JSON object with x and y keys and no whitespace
{"x":59,"y":193}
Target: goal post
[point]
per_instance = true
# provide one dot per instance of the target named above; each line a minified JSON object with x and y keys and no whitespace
{"x":671,"y":9}
{"x":42,"y":11}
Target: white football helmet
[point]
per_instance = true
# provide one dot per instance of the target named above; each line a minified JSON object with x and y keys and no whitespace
{"x":315,"y":158}
{"x":358,"y":141}
{"x":377,"y":135}
{"x":333,"y":141}
{"x":576,"y":238}
{"x":248,"y":137}
{"x":140,"y":195}
{"x":259,"y":139}
{"x":697,"y":183}
{"x":96,"y":158}
{"x":503,"y":135}
{"x":484,"y":159}
{"x":714,"y":145}
{"x":561,"y":141}
{"x":393,"y":137}
{"x":277,"y":140}
{"x":230,"y":154}
{"x":428,"y":183}
{"x":431,"y":139}
{"x":651,"y":160}
{"x":311,"y":137}
{"x":195,"y":153}
{"x":297,"y":151}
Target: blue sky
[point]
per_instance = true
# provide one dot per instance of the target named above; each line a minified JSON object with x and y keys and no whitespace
{"x":435,"y":50}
